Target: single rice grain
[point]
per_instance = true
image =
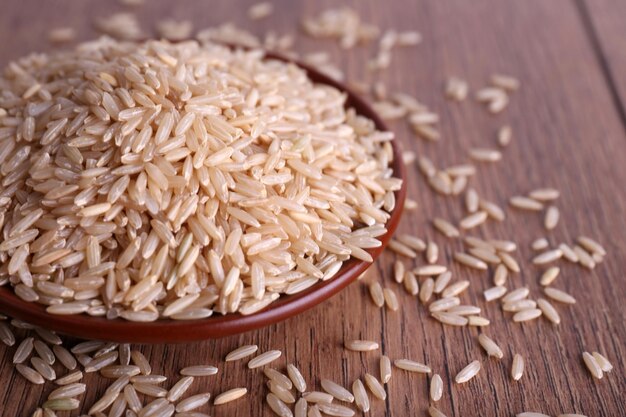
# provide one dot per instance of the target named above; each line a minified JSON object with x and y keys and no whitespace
{"x":335,"y":410}
{"x":199,"y":370}
{"x":552,"y":218}
{"x":377,"y":294}
{"x":230,"y":395}
{"x":411,"y":366}
{"x":469,"y":260}
{"x":375,"y":387}
{"x":526,"y":315}
{"x":391,"y":300}
{"x":361,"y":398}
{"x":467,"y":373}
{"x":549,"y":275}
{"x":436,"y":388}
{"x":196,"y":401}
{"x":592,"y":365}
{"x":296,"y":377}
{"x":361,"y":345}
{"x":337,"y":390}
{"x":385,"y":369}
{"x":490,"y":346}
{"x":558,"y":295}
{"x":517,"y":367}
{"x":445,"y":227}
{"x":317,"y":397}
{"x":241,"y":352}
{"x":539,"y":244}
{"x":548,"y":311}
{"x":278,"y":407}
{"x":525,"y":203}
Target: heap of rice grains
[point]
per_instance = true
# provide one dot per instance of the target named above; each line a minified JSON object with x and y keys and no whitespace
{"x":175,"y":180}
{"x":113,"y":360}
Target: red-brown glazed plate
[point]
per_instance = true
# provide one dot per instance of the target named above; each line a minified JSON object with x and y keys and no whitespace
{"x":173,"y":331}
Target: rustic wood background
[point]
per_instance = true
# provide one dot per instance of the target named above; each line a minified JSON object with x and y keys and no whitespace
{"x":569,"y":132}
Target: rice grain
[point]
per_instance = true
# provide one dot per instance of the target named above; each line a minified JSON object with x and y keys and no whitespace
{"x":230,"y":395}
{"x":445,"y":227}
{"x":67,"y":391}
{"x":69,"y":378}
{"x":604,"y":363}
{"x":361,"y":345}
{"x":337,"y":391}
{"x":468,"y":372}
{"x":500,"y":275}
{"x":549,"y":275}
{"x":591,"y":245}
{"x":24,"y":350}
{"x":485,"y":155}
{"x":473,"y":220}
{"x":30,"y":374}
{"x":568,"y":253}
{"x":264,"y":359}
{"x":517,"y":368}
{"x":6,"y":335}
{"x":526,"y":315}
{"x":558,"y":295}
{"x":179,"y":388}
{"x":505,"y":133}
{"x":469,"y":260}
{"x":442,"y":282}
{"x":471,"y":200}
{"x":296,"y":377}
{"x":278,"y":407}
{"x":509,"y":262}
{"x":455,"y":289}
{"x":411,"y":366}
{"x":426,"y":290}
{"x":300,"y":409}
{"x":436,"y":388}
{"x":391,"y":300}
{"x":432,"y":252}
{"x":592,"y":365}
{"x":539,"y":244}
{"x":552,"y":218}
{"x":377,"y":294}
{"x":385,"y":369}
{"x":360,"y":396}
{"x":450,"y":318}
{"x":375,"y":387}
{"x":525,"y":203}
{"x":335,"y":410}
{"x":317,"y":397}
{"x":196,"y":401}
{"x":490,"y":346}
{"x":548,"y":310}
{"x":61,"y":404}
{"x":477,"y":321}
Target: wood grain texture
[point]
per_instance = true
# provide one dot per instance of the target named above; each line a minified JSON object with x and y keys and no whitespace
{"x":567,"y":134}
{"x":604,"y":23}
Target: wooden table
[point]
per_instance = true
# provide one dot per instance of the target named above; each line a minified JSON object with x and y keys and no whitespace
{"x":569,"y":132}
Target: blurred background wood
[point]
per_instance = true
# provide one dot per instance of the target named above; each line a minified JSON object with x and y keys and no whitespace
{"x":569,"y":133}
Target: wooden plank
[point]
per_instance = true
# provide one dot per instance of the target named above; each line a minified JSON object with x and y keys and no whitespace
{"x":604,"y":21}
{"x":567,"y":134}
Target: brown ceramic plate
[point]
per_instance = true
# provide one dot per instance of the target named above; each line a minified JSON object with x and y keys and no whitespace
{"x":172,"y":331}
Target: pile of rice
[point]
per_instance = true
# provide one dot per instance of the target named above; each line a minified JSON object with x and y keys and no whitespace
{"x":177,"y":180}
